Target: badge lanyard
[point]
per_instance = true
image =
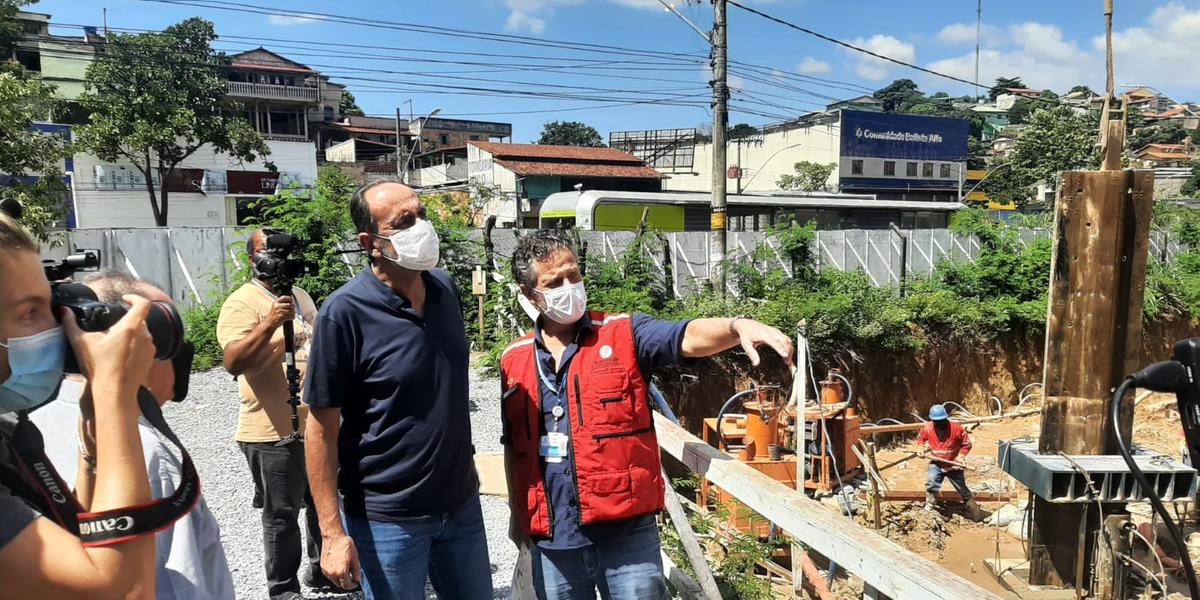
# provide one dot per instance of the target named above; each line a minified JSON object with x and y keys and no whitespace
{"x":554,"y":442}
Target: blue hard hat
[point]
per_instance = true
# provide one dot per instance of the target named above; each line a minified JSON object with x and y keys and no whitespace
{"x":937,"y":412}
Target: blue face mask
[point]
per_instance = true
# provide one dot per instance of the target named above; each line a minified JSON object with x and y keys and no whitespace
{"x":36,"y":362}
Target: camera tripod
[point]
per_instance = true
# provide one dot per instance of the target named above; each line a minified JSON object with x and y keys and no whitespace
{"x":293,"y":374}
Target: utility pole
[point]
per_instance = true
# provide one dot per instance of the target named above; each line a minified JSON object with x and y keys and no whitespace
{"x":978,"y":35}
{"x":399,"y":173}
{"x":720,"y":87}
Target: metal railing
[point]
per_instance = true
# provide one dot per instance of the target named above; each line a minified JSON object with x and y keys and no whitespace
{"x":273,"y":92}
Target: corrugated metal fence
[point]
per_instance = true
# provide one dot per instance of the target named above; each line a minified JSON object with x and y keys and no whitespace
{"x":199,"y":263}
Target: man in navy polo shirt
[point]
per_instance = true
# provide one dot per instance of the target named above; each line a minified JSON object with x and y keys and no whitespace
{"x":581,"y":456}
{"x":388,"y":426}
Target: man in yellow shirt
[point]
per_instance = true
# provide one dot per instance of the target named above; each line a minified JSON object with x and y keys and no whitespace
{"x":250,"y":331}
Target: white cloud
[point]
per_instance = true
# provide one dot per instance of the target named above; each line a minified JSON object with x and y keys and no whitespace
{"x":964,"y":33}
{"x":287,"y":20}
{"x":1037,"y":53}
{"x":519,"y":20}
{"x":1160,"y":52}
{"x":812,"y":66}
{"x":877,"y":69}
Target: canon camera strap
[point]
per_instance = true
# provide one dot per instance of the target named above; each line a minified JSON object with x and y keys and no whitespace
{"x":45,"y":488}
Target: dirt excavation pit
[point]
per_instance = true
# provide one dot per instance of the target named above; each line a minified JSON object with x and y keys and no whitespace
{"x":916,"y":528}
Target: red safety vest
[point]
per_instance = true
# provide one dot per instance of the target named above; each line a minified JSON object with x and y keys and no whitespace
{"x":616,"y":462}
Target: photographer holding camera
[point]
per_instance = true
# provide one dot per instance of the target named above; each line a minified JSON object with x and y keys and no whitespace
{"x":190,"y":561}
{"x":38,"y":558}
{"x":251,"y":329}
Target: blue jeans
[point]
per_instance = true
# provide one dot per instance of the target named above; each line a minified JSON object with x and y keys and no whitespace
{"x":450,"y":549}
{"x":623,"y":568}
{"x":935,"y":475}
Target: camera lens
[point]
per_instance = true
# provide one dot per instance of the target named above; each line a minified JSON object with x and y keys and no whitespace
{"x":166,"y":328}
{"x":163,"y":321}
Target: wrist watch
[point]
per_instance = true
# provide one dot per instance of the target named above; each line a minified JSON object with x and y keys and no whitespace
{"x":733,"y":325}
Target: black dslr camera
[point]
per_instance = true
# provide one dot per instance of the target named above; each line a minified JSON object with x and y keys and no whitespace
{"x":275,"y":265}
{"x":164,"y":322}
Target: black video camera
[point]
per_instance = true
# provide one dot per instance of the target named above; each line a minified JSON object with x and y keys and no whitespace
{"x":275,"y":265}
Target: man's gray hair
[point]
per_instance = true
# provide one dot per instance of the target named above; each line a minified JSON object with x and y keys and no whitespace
{"x":360,"y":211}
{"x":534,"y":247}
{"x":112,"y":284}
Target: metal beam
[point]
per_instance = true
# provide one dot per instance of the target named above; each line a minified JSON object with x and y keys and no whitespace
{"x":880,"y":562}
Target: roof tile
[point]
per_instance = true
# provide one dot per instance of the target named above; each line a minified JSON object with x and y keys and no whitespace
{"x":571,"y":169}
{"x":518,"y":151}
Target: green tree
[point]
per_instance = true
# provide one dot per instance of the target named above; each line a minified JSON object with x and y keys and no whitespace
{"x":570,"y":133}
{"x":11,"y":30}
{"x":1168,"y":133}
{"x":1081,"y":88}
{"x":33,"y":160}
{"x":1021,"y":110}
{"x":1057,"y":139}
{"x":899,"y":95}
{"x":157,"y":98}
{"x":809,"y":177}
{"x":741,"y":130}
{"x":321,"y":217}
{"x":1002,"y":84}
{"x":1191,"y":187}
{"x":348,"y":106}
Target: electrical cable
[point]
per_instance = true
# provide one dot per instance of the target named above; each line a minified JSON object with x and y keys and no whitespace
{"x":962,"y":409}
{"x":725,"y":408}
{"x":1150,"y":546}
{"x":1155,"y":501}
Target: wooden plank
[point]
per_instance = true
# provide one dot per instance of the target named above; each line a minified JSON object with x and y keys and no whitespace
{"x":951,"y":495}
{"x":1093,"y":335}
{"x":684,"y":585}
{"x":885,"y":565}
{"x":876,"y":429}
{"x":691,"y":545}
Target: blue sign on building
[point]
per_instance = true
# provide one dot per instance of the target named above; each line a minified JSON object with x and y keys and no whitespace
{"x":916,"y":156}
{"x":892,"y":135}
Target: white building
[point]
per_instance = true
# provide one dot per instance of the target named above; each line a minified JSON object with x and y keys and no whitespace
{"x":211,"y":189}
{"x":284,"y":100}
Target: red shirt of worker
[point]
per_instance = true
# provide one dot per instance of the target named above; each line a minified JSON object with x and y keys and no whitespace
{"x":946,"y":441}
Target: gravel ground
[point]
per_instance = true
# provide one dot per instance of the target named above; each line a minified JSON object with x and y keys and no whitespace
{"x":206,"y":422}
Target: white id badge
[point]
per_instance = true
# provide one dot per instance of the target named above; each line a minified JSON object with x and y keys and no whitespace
{"x":553,"y":447}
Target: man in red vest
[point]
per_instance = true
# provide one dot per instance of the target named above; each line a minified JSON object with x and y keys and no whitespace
{"x":582,"y":459}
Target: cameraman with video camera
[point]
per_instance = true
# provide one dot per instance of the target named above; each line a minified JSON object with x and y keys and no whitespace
{"x":252,"y":330}
{"x":38,"y":558}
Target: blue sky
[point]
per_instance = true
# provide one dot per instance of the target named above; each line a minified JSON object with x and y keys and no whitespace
{"x":1050,"y":43}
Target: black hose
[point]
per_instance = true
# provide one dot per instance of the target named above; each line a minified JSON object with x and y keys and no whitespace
{"x":1159,"y":507}
{"x":849,"y":390}
{"x":725,"y":408}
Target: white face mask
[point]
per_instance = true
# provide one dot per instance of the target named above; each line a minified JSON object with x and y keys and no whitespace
{"x":416,"y":247}
{"x":565,"y":304}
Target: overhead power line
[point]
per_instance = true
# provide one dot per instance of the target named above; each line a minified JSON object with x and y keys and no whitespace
{"x":418,"y":28}
{"x":848,"y":45}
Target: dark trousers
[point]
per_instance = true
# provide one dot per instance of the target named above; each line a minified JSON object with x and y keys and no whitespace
{"x":280,"y":490}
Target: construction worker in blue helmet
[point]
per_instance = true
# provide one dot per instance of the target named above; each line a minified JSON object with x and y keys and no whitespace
{"x":944,"y":441}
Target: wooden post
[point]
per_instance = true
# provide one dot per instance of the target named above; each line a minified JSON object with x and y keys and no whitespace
{"x":1093,"y":332}
{"x":691,"y":545}
{"x":875,"y":518}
